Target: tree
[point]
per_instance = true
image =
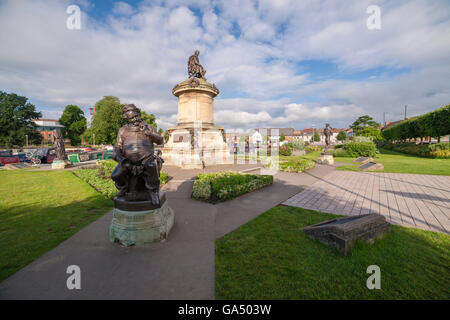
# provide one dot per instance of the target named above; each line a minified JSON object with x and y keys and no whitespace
{"x":364,"y":122}
{"x":341,"y":135}
{"x":74,"y":123}
{"x":371,"y":132}
{"x":106,"y":121}
{"x":282,"y":137}
{"x":149,"y":118}
{"x":16,"y":120}
{"x":316,"y":136}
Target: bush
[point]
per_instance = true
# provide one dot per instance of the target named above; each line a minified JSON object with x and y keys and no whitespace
{"x":106,"y":167}
{"x":297,"y":145}
{"x":100,"y":178}
{"x":100,"y":183}
{"x":360,"y":149}
{"x":440,"y":154}
{"x":222,"y":186}
{"x":438,"y":150}
{"x":285,"y":150}
{"x":341,"y":153}
{"x":201,"y":189}
{"x":296,"y":166}
{"x":311,"y":148}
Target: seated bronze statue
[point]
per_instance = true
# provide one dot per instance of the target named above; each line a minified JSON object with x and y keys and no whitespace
{"x":137,"y":172}
{"x":195,"y":69}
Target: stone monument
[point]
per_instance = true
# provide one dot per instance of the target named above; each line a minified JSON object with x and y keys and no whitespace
{"x":61,"y":161}
{"x":141,"y":214}
{"x":196,"y":142}
{"x":342,"y":233}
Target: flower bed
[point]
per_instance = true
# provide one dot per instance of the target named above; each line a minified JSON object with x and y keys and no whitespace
{"x":100,"y":178}
{"x":223,"y":186}
{"x":438,"y":150}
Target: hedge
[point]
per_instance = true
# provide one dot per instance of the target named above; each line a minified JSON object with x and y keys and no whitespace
{"x":360,"y":149}
{"x":226,"y":185}
{"x":431,"y":124}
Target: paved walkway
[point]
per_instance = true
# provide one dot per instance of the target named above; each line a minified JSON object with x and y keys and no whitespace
{"x":411,"y":200}
{"x":182,"y":267}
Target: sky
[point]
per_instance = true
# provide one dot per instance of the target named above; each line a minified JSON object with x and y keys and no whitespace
{"x":277,"y":63}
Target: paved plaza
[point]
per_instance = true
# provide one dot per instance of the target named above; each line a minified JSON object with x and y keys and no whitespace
{"x":410,"y":200}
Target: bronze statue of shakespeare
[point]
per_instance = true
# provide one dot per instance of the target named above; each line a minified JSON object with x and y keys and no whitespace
{"x":137,"y":172}
{"x":195,"y":69}
{"x":327,"y":132}
{"x":58,"y":144}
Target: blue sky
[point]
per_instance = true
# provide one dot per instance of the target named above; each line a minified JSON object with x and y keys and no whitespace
{"x":277,"y":63}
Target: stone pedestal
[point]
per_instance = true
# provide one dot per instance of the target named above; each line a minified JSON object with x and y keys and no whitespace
{"x":137,"y":223}
{"x":342,"y":233}
{"x":326,"y":159}
{"x":60,"y":164}
{"x":196,"y":142}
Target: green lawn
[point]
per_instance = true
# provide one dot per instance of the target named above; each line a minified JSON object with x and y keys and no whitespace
{"x":271,"y":258}
{"x":402,"y":163}
{"x":40,"y":209}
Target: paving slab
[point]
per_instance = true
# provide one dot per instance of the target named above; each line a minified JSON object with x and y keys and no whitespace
{"x":411,"y":200}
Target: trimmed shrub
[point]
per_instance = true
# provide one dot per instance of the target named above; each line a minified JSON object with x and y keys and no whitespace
{"x":226,"y":185}
{"x":285,"y":150}
{"x":296,"y":166}
{"x":360,"y":149}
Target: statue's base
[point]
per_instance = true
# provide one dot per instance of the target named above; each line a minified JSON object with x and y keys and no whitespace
{"x":60,"y":164}
{"x":326,"y":159}
{"x":138,"y":223}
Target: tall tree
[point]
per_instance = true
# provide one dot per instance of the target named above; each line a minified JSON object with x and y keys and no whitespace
{"x":149,"y":118}
{"x":16,"y":120}
{"x":74,"y":123}
{"x":364,"y":122}
{"x":106,"y":121}
{"x":316,"y":136}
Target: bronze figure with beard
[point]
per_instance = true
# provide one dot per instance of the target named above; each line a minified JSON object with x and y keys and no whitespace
{"x":137,"y":172}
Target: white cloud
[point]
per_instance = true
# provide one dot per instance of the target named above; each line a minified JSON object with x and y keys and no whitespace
{"x":250,"y":50}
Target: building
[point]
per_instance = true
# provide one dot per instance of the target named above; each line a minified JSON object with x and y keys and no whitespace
{"x":45,"y":127}
{"x":273,"y":134}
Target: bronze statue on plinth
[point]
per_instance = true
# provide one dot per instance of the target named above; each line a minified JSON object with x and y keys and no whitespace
{"x":327,"y":132}
{"x":195,"y":69}
{"x":137,"y":172}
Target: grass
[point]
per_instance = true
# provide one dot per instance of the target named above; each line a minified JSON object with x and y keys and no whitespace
{"x":397,"y":162}
{"x":40,"y":209}
{"x":271,"y":258}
